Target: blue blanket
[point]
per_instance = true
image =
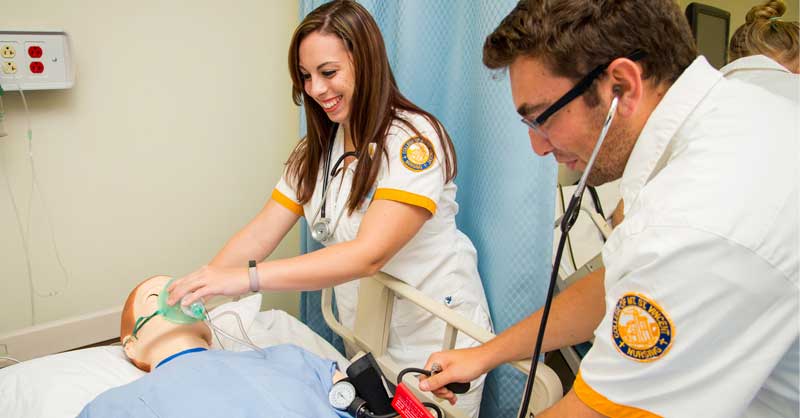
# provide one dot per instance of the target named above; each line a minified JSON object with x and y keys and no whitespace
{"x":290,"y":382}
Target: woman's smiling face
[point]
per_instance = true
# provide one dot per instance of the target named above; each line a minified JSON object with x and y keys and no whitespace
{"x":326,"y":69}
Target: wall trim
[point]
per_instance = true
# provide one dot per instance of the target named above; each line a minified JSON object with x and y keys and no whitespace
{"x":62,"y":335}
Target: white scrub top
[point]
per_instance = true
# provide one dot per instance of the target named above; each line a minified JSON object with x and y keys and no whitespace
{"x":765,"y":73}
{"x":701,"y":280}
{"x":439,"y":260}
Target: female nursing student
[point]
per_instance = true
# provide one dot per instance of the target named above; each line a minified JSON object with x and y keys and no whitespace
{"x":765,"y":33}
{"x":375,"y":173}
{"x":765,"y":51}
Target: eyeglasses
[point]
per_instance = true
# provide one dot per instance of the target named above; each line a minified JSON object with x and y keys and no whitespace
{"x":574,"y":92}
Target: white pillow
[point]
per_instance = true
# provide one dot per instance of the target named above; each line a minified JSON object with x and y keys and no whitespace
{"x":60,"y":385}
{"x":246,"y":309}
{"x":276,"y":327}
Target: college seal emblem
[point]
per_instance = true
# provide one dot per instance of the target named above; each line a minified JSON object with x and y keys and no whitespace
{"x":641,"y":330}
{"x":417,"y":154}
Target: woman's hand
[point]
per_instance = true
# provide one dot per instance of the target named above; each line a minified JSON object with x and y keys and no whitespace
{"x":209,"y":281}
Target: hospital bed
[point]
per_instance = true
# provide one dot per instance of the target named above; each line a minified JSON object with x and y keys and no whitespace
{"x":59,"y":385}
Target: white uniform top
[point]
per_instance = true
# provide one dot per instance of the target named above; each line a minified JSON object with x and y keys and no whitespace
{"x":766,"y":73}
{"x":439,"y":260}
{"x":701,"y":282}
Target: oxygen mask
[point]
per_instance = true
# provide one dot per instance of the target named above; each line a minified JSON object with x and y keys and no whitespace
{"x":177,"y":314}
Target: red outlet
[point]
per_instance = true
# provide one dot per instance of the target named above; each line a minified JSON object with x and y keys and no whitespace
{"x":35,"y":51}
{"x":37,"y":67}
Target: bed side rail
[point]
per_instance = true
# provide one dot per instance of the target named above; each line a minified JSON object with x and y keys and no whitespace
{"x":371,"y":333}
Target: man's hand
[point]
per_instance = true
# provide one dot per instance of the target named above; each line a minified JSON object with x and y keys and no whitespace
{"x":464,"y":365}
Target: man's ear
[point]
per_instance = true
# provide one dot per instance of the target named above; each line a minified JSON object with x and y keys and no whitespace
{"x":625,"y":81}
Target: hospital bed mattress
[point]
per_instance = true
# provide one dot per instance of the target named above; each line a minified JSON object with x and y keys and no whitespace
{"x":60,"y":385}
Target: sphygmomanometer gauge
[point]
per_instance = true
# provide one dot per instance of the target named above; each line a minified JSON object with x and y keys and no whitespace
{"x":342,"y":394}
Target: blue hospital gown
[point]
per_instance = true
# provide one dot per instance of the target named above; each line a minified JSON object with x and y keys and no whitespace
{"x":290,"y":383}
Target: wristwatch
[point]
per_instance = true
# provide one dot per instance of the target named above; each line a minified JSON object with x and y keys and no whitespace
{"x":253,"y":272}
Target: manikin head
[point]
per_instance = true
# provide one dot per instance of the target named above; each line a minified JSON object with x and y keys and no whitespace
{"x":158,"y":338}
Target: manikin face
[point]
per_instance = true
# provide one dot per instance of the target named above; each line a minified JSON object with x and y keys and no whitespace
{"x":158,"y":335}
{"x":573,"y":130}
{"x":327,"y":70}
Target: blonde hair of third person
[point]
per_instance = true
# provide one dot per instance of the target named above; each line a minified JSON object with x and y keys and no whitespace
{"x":765,"y":33}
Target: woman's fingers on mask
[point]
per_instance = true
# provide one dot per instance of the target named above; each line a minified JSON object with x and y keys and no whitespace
{"x":208,"y":282}
{"x":175,"y":291}
{"x":179,"y":288}
{"x":199,"y":294}
{"x":196,"y":290}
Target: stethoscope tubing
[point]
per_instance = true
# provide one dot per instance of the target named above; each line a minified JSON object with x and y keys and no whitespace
{"x":567,"y":221}
{"x":320,"y":215}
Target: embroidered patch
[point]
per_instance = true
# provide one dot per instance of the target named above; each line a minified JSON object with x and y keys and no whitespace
{"x":641,"y":329}
{"x":417,"y":154}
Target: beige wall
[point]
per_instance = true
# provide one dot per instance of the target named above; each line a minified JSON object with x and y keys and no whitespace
{"x":739,"y":8}
{"x":171,"y":140}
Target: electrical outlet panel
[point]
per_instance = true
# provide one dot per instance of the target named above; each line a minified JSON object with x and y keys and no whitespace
{"x":35,"y":60}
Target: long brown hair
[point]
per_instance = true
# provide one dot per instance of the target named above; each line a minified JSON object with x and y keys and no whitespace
{"x":376,"y":102}
{"x":764,"y":33}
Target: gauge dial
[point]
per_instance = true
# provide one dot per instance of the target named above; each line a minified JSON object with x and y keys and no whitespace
{"x":342,"y":394}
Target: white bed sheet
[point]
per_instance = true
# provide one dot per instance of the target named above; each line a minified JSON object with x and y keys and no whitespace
{"x":60,"y":385}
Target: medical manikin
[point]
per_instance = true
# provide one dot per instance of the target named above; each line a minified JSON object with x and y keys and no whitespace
{"x":186,"y":379}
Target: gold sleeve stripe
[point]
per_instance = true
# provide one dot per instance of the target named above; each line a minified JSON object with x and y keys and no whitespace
{"x":286,"y":202}
{"x":604,"y":406}
{"x":406,"y":197}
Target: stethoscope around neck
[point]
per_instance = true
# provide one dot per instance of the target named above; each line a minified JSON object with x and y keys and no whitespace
{"x":321,"y":227}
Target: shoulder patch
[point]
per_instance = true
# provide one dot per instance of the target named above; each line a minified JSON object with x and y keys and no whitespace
{"x":417,"y":154}
{"x":641,"y":330}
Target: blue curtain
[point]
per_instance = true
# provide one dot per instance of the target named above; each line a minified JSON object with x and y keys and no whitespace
{"x":506,"y":193}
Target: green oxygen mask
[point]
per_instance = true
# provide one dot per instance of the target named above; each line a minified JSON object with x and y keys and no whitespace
{"x":177,"y":313}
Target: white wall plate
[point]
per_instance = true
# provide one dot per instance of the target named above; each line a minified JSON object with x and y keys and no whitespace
{"x":35,"y":60}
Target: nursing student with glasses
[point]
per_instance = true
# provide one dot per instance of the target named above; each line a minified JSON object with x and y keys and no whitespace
{"x":698,"y":309}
